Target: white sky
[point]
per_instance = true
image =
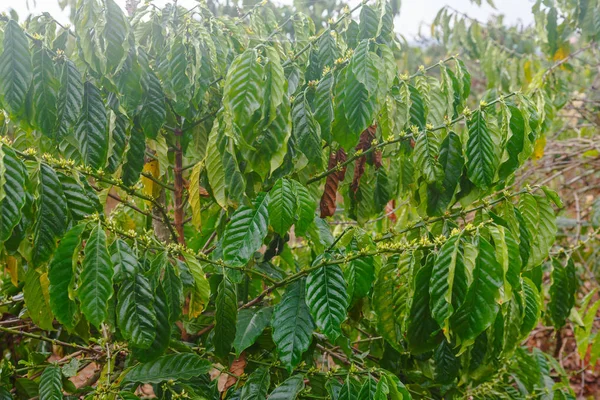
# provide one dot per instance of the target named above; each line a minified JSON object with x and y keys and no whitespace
{"x":413,"y":13}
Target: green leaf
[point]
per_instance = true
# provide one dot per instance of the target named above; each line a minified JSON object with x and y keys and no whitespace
{"x":135,"y":313}
{"x":15,"y":68}
{"x":51,"y":218}
{"x":282,"y":206}
{"x":481,"y":159}
{"x":440,"y":194}
{"x":448,"y":272}
{"x":225,"y":318}
{"x":274,"y":84}
{"x":35,"y":293}
{"x":426,"y":153}
{"x":81,"y":199}
{"x":539,"y":219}
{"x":61,"y":274}
{"x":134,"y":157}
{"x":12,"y":192}
{"x":562,"y":292}
{"x":359,"y":273}
{"x":178,"y":81}
{"x":447,"y":365}
{"x":242,"y":94}
{"x":292,"y":325}
{"x":91,"y":128}
{"x":124,"y":260}
{"x":479,"y":309}
{"x":327,"y":299}
{"x":306,"y":130}
{"x":417,"y":110}
{"x":305,"y":210}
{"x":368,"y":390}
{"x":119,"y":129}
{"x":364,"y":68}
{"x":369,"y":23}
{"x":390,"y":298}
{"x":257,"y":385}
{"x":246,"y":231}
{"x":115,"y":34}
{"x":201,"y":290}
{"x":45,"y":88}
{"x":177,"y":367}
{"x":96,"y":288}
{"x":421,"y":325}
{"x":153,"y":113}
{"x":289,"y":389}
{"x":163,"y":329}
{"x":250,"y":324}
{"x":51,"y":383}
{"x":532,"y":306}
{"x":173,"y":288}
{"x":359,"y":108}
{"x":515,"y":143}
{"x":70,"y":98}
{"x":323,"y":105}
{"x":214,"y":166}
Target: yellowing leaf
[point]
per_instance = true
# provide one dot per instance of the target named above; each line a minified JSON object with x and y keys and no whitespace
{"x":201,"y":291}
{"x":194,"y":200}
{"x":13,"y":270}
{"x":527,"y":71}
{"x":538,"y":149}
{"x":150,"y":187}
{"x":562,"y":53}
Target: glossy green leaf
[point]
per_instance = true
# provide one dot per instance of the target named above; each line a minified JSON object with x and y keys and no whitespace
{"x":45,"y":91}
{"x":35,"y":293}
{"x":134,"y":157}
{"x":91,"y":127}
{"x":481,"y":161}
{"x":51,"y":383}
{"x":246,"y":231}
{"x":282,"y":206}
{"x":61,"y":274}
{"x":15,"y":68}
{"x":51,"y":219}
{"x":163,"y":329}
{"x":12,"y":191}
{"x":257,"y":385}
{"x":289,"y":389}
{"x":479,"y":309}
{"x":225,"y":318}
{"x":115,"y":34}
{"x":390,"y":298}
{"x":451,"y":160}
{"x":153,"y":113}
{"x":327,"y":299}
{"x":292,"y":325}
{"x":250,"y":325}
{"x":81,"y":198}
{"x":421,"y":326}
{"x":242,"y":94}
{"x":136,"y":317}
{"x":177,"y":367}
{"x":562,"y":292}
{"x":95,"y":288}
{"x":448,"y":277}
{"x":306,"y":130}
{"x":70,"y":98}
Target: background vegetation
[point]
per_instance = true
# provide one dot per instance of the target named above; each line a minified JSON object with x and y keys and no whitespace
{"x":253,"y":201}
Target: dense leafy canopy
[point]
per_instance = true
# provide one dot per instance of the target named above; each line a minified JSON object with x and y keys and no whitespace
{"x":185,"y":195}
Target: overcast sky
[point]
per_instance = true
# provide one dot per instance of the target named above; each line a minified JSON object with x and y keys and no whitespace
{"x":413,"y":13}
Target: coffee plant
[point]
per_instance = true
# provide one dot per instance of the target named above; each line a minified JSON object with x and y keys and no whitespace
{"x":202,"y":206}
